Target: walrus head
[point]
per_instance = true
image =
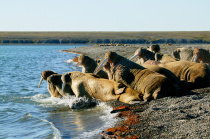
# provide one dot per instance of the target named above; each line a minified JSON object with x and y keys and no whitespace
{"x":140,"y":53}
{"x":154,"y":48}
{"x":54,"y":79}
{"x":176,"y":53}
{"x":83,"y":60}
{"x":65,"y":78}
{"x":196,"y":54}
{"x":107,"y":66}
{"x":110,"y":57}
{"x":44,"y":75}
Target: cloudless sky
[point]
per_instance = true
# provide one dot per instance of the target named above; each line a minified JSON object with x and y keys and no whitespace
{"x":104,"y":15}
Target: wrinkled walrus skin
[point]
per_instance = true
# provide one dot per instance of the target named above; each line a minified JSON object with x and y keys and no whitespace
{"x":90,"y":85}
{"x":151,"y":84}
{"x":170,"y":75}
{"x":89,"y":65}
{"x":196,"y":75}
{"x":51,"y":88}
{"x":55,"y":80}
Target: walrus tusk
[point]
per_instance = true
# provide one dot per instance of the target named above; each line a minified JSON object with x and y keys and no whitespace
{"x":78,"y":63}
{"x":63,"y":86}
{"x":40,"y":82}
{"x":133,"y":56}
{"x":196,"y":57}
{"x":100,"y":66}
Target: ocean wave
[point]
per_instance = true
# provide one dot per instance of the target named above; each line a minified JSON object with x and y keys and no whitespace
{"x":70,"y":101}
{"x":41,"y":128}
{"x":108,"y":120}
{"x":56,"y":133}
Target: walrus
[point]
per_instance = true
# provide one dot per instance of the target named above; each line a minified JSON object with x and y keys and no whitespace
{"x":145,"y":55}
{"x":89,"y":65}
{"x":91,"y":85}
{"x":184,"y":53}
{"x":55,"y":80}
{"x":193,"y":75}
{"x":149,"y":83}
{"x":155,"y":48}
{"x":51,"y":88}
{"x":155,"y":68}
{"x":201,"y":56}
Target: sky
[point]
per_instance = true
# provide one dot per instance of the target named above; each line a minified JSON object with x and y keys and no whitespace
{"x":105,"y":15}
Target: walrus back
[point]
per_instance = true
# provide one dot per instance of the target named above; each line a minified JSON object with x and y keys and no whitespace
{"x":198,"y":75}
{"x":151,"y":84}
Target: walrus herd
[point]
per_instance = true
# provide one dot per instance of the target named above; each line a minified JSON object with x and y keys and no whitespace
{"x":153,"y":75}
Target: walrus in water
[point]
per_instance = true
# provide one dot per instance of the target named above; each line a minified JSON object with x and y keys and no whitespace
{"x":55,"y":80}
{"x":149,"y":83}
{"x":51,"y":88}
{"x":89,"y":65}
{"x":91,"y":85}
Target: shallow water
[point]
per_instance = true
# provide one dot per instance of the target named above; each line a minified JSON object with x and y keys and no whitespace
{"x":27,"y":111}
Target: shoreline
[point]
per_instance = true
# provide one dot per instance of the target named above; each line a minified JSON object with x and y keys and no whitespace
{"x":169,"y":117}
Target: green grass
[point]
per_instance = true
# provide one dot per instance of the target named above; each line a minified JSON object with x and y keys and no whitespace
{"x":150,"y":36}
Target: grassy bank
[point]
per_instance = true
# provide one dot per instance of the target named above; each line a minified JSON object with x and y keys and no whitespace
{"x":186,"y":37}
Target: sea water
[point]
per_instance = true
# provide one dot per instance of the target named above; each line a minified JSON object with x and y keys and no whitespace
{"x":27,"y":111}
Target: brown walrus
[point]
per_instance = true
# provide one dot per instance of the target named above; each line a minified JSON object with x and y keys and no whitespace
{"x":170,"y":75}
{"x":155,"y":48}
{"x":89,"y":65}
{"x":51,"y":88}
{"x":201,"y":56}
{"x":55,"y":80}
{"x":145,"y":55}
{"x":184,"y":54}
{"x":193,"y":75}
{"x":90,"y":85}
{"x":151,"y":84}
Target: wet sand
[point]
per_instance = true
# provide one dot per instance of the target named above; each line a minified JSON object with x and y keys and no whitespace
{"x":170,"y":117}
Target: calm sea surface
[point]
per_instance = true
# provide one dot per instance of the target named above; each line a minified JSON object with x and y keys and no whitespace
{"x":27,"y":111}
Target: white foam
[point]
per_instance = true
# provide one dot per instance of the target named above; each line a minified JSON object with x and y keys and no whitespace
{"x":109,"y":120}
{"x":70,"y":101}
{"x":69,"y":61}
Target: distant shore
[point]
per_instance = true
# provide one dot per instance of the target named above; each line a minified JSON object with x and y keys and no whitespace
{"x":169,"y":117}
{"x":160,"y":37}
